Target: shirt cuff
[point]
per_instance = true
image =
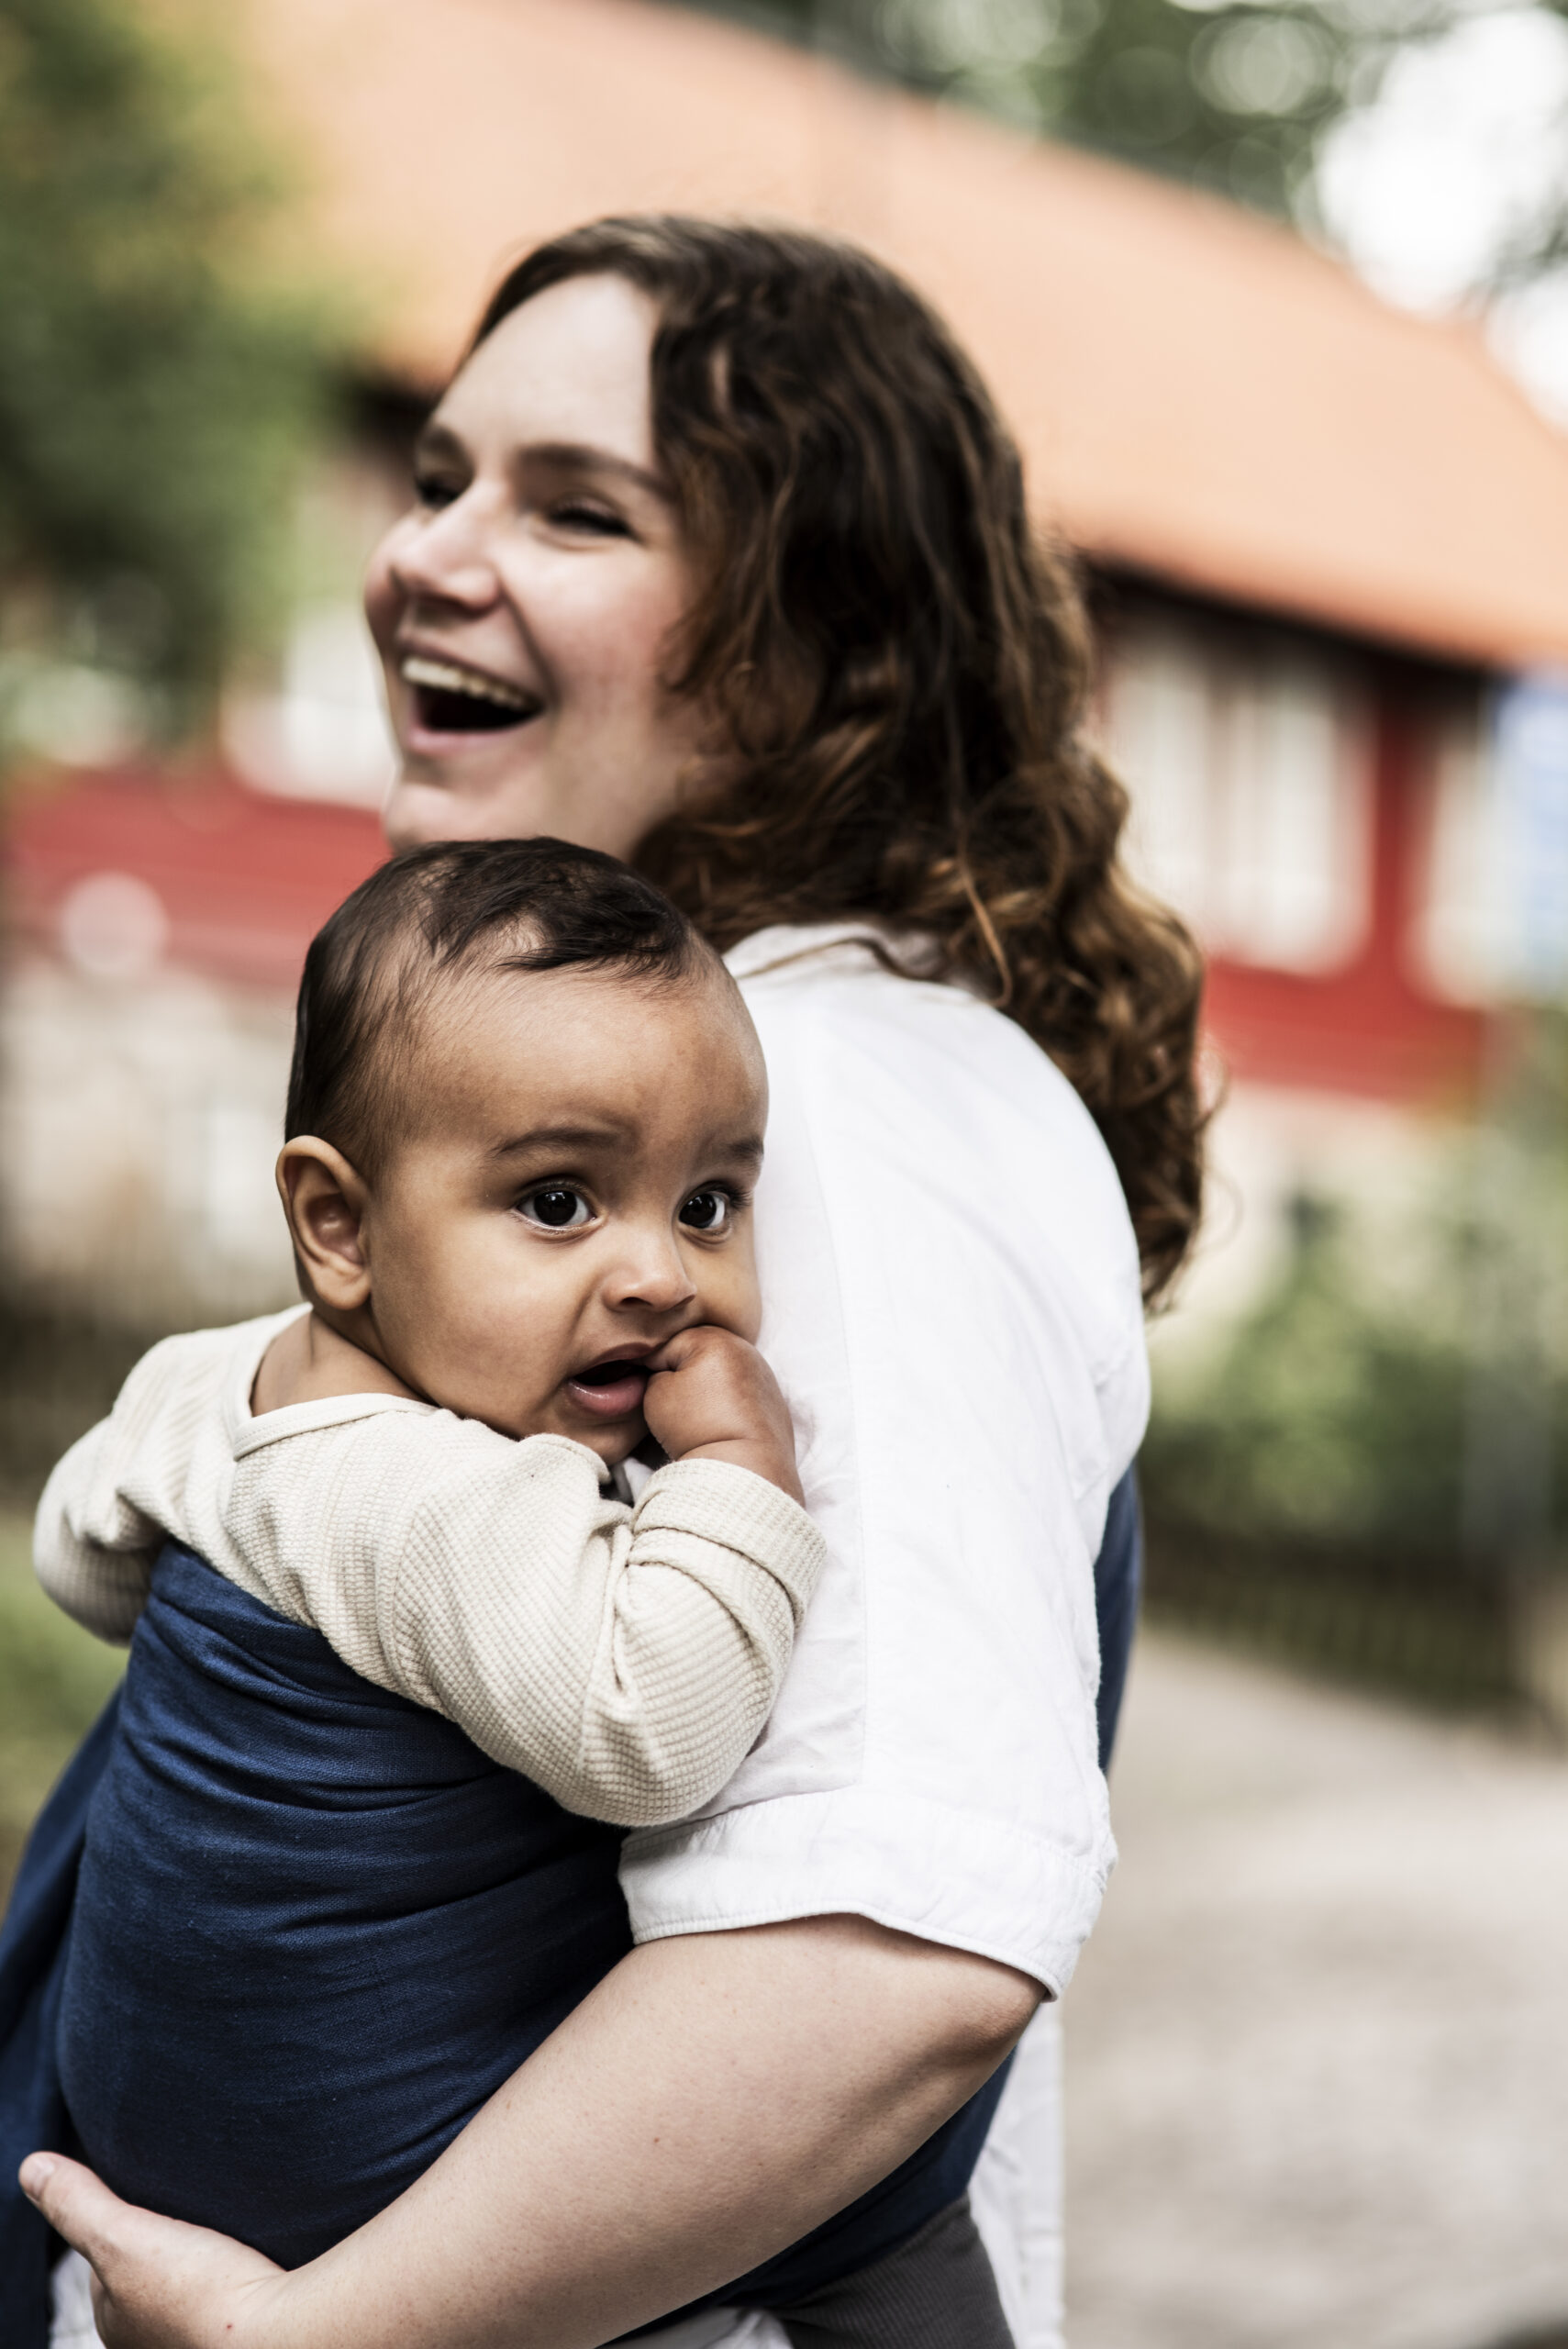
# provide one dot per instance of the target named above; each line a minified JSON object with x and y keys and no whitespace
{"x":953,"y":1876}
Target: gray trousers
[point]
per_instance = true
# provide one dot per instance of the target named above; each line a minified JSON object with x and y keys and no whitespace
{"x":935,"y":2291}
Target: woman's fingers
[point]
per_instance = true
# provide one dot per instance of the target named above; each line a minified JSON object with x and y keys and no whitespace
{"x":160,"y":2283}
{"x":76,"y":2204}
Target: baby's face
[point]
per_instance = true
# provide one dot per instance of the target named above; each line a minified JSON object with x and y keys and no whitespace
{"x":578,"y":1189}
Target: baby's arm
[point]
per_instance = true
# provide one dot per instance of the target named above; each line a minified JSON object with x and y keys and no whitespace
{"x":92,"y":1548}
{"x":625,"y":1660}
{"x":96,"y":1563}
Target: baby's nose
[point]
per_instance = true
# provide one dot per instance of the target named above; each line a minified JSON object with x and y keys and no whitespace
{"x":652,"y":1273}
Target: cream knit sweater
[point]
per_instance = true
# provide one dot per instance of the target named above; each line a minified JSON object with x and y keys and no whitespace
{"x":625,"y":1659}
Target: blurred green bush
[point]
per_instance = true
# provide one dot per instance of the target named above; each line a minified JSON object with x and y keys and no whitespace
{"x":54,"y":1679}
{"x":1312,"y":1491}
{"x":161,"y":372}
{"x":1335,"y":1413}
{"x":57,"y":1374}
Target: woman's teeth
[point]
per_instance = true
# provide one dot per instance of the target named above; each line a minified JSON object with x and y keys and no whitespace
{"x":443,"y":678}
{"x":453,"y":700}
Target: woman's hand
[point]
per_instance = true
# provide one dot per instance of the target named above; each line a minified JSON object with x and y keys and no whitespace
{"x":161,"y":2285}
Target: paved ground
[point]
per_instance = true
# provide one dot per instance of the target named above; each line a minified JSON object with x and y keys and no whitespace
{"x":1317,"y":2050}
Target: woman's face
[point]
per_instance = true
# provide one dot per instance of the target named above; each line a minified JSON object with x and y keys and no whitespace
{"x":524,"y":609}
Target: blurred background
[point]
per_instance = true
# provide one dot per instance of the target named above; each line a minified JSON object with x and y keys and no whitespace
{"x":1276,"y":299}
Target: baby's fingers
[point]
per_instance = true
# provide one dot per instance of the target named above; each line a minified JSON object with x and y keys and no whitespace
{"x":160,"y":2284}
{"x":684,"y":1346}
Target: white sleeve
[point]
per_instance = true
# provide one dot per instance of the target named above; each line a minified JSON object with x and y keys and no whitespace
{"x":137,"y":1479}
{"x":90,"y":1551}
{"x":95,"y":1537}
{"x":624,"y":1660}
{"x":951,"y":1305}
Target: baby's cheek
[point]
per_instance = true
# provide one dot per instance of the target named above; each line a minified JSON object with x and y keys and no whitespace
{"x":733,"y":1296}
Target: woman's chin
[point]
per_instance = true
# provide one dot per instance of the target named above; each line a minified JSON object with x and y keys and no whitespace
{"x":470,"y":800}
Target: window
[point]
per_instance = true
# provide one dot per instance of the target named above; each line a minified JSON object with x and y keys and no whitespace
{"x":1247,"y":754}
{"x":1493,"y":913}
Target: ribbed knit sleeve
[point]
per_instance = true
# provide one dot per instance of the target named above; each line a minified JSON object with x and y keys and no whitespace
{"x":625,"y":1660}
{"x":106,"y":1511}
{"x":100,"y":1585}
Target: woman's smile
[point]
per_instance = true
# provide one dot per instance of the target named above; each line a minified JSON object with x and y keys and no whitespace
{"x":452,"y":699}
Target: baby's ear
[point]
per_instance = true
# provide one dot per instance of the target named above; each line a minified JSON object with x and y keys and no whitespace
{"x":324,"y":1199}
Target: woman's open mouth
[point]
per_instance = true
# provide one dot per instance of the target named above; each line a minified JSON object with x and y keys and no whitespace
{"x":610,"y":1390}
{"x":449,"y":700}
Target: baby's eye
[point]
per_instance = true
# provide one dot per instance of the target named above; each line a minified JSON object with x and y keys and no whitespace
{"x":558,"y":1207}
{"x":707,"y":1211}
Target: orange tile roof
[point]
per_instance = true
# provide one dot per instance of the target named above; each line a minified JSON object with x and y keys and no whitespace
{"x":1198,"y":393}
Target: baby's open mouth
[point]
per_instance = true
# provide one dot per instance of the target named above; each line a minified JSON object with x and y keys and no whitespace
{"x":610,"y":1390}
{"x":449,"y":700}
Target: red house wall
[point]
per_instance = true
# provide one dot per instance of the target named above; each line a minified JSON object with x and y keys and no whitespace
{"x":246,"y":880}
{"x":1375,"y":1027}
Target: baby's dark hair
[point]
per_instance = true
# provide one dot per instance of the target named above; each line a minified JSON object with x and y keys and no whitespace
{"x":445,"y":912}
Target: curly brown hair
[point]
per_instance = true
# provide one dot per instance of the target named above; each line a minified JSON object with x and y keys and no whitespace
{"x":903,"y":665}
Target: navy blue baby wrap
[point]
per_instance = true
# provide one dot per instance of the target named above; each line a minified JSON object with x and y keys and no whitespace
{"x":279,"y":1933}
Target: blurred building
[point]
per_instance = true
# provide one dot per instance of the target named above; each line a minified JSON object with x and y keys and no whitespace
{"x":1318,"y":535}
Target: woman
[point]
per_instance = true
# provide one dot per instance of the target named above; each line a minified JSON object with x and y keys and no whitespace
{"x":721,"y":562}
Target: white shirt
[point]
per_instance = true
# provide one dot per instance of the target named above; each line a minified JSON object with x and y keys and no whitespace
{"x":952,"y":1304}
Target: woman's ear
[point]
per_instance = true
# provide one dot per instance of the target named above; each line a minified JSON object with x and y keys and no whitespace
{"x":324,"y":1200}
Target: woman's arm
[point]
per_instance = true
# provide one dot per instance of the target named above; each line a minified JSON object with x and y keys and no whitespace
{"x":717,"y":2097}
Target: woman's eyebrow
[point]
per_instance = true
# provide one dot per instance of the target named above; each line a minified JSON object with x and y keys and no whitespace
{"x":437,"y":440}
{"x":437,"y":445}
{"x":580,"y":456}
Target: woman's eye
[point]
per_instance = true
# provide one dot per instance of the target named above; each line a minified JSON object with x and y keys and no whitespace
{"x":433,"y":490}
{"x":707,"y":1211}
{"x":557,"y":1207}
{"x":597,"y":521}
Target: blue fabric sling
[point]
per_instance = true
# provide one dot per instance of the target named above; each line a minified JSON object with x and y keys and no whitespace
{"x":251,"y":1830}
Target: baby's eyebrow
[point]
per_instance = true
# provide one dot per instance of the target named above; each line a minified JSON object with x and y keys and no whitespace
{"x":540,"y":1138}
{"x":747,"y":1148}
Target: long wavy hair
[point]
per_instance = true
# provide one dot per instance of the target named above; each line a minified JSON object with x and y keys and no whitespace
{"x":902,"y":665}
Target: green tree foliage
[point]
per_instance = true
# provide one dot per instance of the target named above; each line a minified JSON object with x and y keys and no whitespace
{"x":1232,"y":96}
{"x":157,"y":383}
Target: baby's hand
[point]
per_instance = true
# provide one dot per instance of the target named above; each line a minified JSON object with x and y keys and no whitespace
{"x":712,"y":1396}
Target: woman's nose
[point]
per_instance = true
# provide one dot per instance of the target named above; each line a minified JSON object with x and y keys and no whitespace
{"x":444,"y":558}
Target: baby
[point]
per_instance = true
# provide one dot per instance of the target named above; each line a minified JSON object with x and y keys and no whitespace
{"x":369,"y":1542}
{"x":525,"y":1114}
{"x":314,"y":1927}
